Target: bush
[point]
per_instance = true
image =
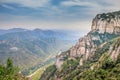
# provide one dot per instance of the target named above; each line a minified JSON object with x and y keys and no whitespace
{"x":108,"y":64}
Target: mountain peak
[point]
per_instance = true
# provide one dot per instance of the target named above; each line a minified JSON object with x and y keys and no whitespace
{"x":107,"y":22}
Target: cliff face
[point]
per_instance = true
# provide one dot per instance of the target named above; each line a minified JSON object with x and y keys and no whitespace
{"x":104,"y":27}
{"x":109,"y":22}
{"x":83,"y":48}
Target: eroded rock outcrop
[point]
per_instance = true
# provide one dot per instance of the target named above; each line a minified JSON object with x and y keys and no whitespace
{"x":109,"y":22}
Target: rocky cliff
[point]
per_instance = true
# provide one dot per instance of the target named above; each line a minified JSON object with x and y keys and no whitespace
{"x":104,"y":27}
{"x":100,"y":48}
{"x":109,"y":22}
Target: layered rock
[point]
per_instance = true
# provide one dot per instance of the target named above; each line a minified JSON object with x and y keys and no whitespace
{"x":115,"y":50}
{"x":83,"y":47}
{"x":109,"y":22}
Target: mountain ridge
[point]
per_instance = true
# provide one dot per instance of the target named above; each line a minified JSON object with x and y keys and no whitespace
{"x":29,"y":48}
{"x":88,"y":49}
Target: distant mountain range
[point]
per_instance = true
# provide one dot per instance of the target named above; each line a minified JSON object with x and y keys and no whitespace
{"x":28,"y":48}
{"x":2,"y":31}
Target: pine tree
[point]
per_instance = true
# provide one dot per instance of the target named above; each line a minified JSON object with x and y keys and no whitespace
{"x":9,"y":72}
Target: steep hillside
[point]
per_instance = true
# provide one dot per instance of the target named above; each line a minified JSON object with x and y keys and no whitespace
{"x":29,"y":48}
{"x":100,"y":43}
{"x":107,"y":67}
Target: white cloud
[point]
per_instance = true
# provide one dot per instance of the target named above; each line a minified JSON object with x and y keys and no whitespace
{"x":28,"y":3}
{"x":8,"y":7}
{"x":77,"y":3}
{"x":94,"y":5}
{"x":113,"y":5}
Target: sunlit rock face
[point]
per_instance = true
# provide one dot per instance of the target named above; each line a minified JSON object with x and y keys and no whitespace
{"x":83,"y":47}
{"x":114,"y":50}
{"x":109,"y":23}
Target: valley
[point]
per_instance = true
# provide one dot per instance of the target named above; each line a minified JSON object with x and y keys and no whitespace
{"x":32,"y":49}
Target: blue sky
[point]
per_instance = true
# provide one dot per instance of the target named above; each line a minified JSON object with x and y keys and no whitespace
{"x":53,"y":14}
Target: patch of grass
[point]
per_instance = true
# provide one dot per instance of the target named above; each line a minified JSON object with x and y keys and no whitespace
{"x":36,"y":75}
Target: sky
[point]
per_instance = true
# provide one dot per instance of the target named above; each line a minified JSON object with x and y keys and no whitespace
{"x":53,"y":14}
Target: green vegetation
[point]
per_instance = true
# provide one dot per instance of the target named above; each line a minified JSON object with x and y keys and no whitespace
{"x":31,"y":70}
{"x":68,"y":66}
{"x":29,"y":48}
{"x":99,"y":52}
{"x":36,"y":75}
{"x":48,"y":73}
{"x":105,"y":68}
{"x":104,"y":37}
{"x":108,"y":16}
{"x":9,"y":72}
{"x":109,"y":70}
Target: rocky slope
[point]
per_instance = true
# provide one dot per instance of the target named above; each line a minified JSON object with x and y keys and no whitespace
{"x":107,"y":67}
{"x":90,"y":48}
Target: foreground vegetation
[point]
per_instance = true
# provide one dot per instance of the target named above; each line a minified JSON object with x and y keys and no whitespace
{"x":10,"y":72}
